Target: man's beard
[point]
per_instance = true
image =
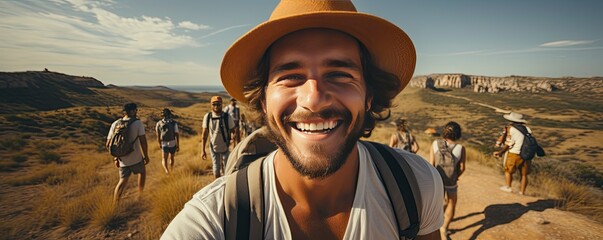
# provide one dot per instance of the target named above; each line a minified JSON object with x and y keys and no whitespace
{"x":322,"y":164}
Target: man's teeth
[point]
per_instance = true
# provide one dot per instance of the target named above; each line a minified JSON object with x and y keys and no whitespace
{"x":321,"y":126}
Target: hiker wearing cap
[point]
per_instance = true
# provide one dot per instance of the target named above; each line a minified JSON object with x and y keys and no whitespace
{"x":321,"y":75}
{"x":235,"y":113}
{"x":448,"y":157}
{"x":403,"y":138}
{"x":218,"y":125}
{"x":514,"y":140}
{"x":134,"y":161}
{"x":168,"y":139}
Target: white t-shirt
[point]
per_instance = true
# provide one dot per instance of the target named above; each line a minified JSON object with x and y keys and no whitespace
{"x":134,"y":130}
{"x":515,"y":139}
{"x":234,"y":112}
{"x":203,"y":216}
{"x":171,"y":143}
{"x":215,"y":135}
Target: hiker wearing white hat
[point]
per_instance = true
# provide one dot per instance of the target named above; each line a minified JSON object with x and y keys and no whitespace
{"x":321,"y":74}
{"x":513,"y":142}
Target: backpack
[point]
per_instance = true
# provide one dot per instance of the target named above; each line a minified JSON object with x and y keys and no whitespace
{"x":406,"y":145}
{"x":120,"y":144}
{"x":223,"y":122}
{"x":244,"y":195}
{"x":255,"y":145}
{"x":529,"y":146}
{"x":445,"y":163}
{"x":167,"y":130}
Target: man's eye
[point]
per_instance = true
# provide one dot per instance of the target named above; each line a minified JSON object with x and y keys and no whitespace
{"x":339,"y":76}
{"x":292,"y":77}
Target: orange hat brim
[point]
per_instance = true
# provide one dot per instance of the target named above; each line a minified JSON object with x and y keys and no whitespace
{"x":390,"y":48}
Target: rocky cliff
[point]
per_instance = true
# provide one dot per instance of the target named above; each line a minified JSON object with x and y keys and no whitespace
{"x":510,"y":83}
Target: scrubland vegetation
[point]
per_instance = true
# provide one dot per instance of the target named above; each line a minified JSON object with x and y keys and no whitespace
{"x":58,"y":180}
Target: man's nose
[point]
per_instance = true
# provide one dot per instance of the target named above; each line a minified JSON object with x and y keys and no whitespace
{"x":314,"y":95}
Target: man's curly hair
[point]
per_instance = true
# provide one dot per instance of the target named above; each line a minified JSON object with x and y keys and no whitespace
{"x":452,"y":131}
{"x":381,"y":85}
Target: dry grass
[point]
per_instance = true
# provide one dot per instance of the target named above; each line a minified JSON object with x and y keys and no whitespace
{"x":76,"y":194}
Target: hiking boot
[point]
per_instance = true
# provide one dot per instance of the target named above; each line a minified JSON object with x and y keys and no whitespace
{"x":506,"y":189}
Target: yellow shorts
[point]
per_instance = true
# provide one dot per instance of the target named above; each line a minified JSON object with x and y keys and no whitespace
{"x":514,"y":161}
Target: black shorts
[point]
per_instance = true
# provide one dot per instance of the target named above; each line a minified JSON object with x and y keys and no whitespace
{"x":171,"y":150}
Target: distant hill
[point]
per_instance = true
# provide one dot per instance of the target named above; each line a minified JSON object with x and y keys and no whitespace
{"x":45,"y":90}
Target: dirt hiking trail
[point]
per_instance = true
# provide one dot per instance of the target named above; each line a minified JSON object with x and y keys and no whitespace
{"x":485,"y":212}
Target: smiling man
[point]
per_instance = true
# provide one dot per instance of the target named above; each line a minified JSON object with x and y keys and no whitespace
{"x":322,"y":75}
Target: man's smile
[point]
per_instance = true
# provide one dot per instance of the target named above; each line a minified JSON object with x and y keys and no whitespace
{"x":316,"y":127}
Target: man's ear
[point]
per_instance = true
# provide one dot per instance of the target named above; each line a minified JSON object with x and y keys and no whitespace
{"x":369,"y":103}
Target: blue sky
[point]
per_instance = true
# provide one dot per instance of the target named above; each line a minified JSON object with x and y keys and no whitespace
{"x":152,"y":42}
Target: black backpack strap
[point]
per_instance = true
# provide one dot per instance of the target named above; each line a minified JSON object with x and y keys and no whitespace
{"x":521,"y":128}
{"x":244,"y":203}
{"x":401,"y":187}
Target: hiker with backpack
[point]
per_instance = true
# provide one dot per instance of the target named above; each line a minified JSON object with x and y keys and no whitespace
{"x":403,"y":138}
{"x":520,"y":147}
{"x":321,"y":75}
{"x":218,"y":125}
{"x":235,"y":113}
{"x":127,"y":143}
{"x":448,"y":157}
{"x":168,"y":139}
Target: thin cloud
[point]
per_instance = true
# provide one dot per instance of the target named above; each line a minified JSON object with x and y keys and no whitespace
{"x":465,"y":53}
{"x":565,"y":43}
{"x":224,"y":29}
{"x":192,"y":26}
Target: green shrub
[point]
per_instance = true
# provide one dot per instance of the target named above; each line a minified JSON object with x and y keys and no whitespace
{"x":49,"y":156}
{"x":19,"y":158}
{"x":12,"y":144}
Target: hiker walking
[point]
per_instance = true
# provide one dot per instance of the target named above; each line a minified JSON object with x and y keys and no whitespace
{"x":321,"y":75}
{"x":168,"y":139}
{"x":218,"y":125}
{"x":403,"y":138}
{"x":128,"y":144}
{"x":235,"y":113}
{"x":448,"y":157}
{"x":514,"y":135}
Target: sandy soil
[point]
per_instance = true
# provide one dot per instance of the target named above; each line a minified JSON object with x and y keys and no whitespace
{"x":485,"y":212}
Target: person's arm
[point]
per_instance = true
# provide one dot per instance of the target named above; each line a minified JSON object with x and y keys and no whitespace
{"x":435,"y":235}
{"x":502,"y":151}
{"x":431,"y":157}
{"x":109,"y":135}
{"x":415,"y":145}
{"x":393,"y":140}
{"x":158,"y":135}
{"x":462,"y":162}
{"x":145,"y":148}
{"x":204,"y":134}
{"x":177,"y":136}
{"x":177,"y":141}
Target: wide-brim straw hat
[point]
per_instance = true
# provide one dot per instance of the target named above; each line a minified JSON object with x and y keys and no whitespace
{"x":515,"y":117}
{"x":389,"y":46}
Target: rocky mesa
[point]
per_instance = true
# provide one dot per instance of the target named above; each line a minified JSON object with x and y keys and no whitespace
{"x":511,"y":83}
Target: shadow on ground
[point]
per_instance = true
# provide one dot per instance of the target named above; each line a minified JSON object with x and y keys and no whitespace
{"x":499,"y":214}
